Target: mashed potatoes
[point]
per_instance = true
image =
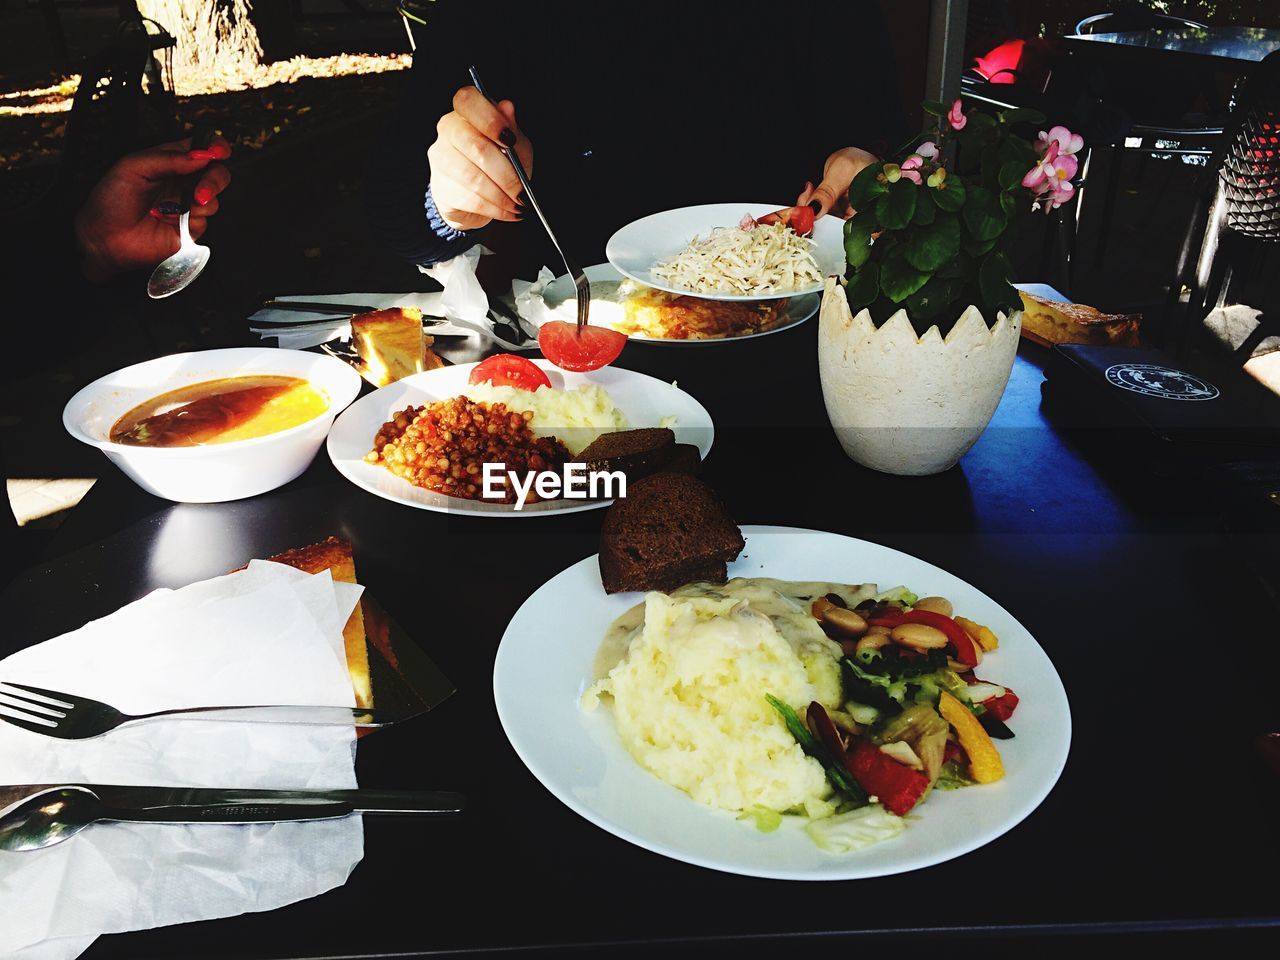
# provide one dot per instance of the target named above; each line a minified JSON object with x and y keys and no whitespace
{"x":576,"y":416}
{"x":688,"y":674}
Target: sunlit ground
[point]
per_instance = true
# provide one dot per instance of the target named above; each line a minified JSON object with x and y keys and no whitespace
{"x":201,"y":81}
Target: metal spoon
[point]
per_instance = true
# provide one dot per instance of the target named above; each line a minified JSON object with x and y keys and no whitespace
{"x":177,"y":271}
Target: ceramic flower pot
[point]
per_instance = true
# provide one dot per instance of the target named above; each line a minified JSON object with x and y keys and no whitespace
{"x":904,"y":404}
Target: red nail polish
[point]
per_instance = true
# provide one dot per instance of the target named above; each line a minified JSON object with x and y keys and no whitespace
{"x":203,"y":195}
{"x":220,"y":151}
{"x":200,"y":155}
{"x":155,"y":212}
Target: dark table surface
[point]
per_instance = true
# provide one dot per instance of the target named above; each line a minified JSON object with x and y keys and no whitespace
{"x":1145,"y":606}
{"x":1238,"y":47}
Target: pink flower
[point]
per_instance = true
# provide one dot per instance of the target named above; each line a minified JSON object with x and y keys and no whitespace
{"x":910,"y":168}
{"x":955,"y":117}
{"x":1051,"y":168}
{"x":1068,"y":143}
{"x":1053,"y":194}
{"x":928,"y":150}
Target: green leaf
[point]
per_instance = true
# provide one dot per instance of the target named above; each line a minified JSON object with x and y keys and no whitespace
{"x":1009,"y":204}
{"x":930,"y":247}
{"x":1023,"y":115}
{"x":983,"y":214}
{"x":993,"y":284}
{"x":895,"y":208}
{"x":950,"y":196}
{"x":866,"y":187}
{"x":933,"y":298}
{"x":935,"y":107}
{"x":899,"y":279}
{"x":978,"y":248}
{"x":857,"y":239}
{"x":1011,"y":174}
{"x":925,"y":213}
{"x":864,"y":287}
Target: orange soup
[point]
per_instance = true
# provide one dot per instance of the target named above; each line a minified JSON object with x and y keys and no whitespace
{"x":220,"y":411}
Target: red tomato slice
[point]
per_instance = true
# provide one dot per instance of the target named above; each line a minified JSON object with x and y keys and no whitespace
{"x":800,"y":219}
{"x":593,"y":348}
{"x":509,"y":370}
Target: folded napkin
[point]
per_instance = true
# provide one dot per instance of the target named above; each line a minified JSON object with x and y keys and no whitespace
{"x":267,"y":634}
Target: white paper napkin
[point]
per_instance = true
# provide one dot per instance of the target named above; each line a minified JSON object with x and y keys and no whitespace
{"x":462,"y":302}
{"x":267,"y":634}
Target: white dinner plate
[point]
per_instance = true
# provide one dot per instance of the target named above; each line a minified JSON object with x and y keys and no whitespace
{"x":544,"y":664}
{"x":561,"y":291}
{"x":643,"y":399}
{"x":638,"y":246}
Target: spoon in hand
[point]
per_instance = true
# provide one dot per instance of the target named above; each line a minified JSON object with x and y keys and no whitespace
{"x":174,"y":273}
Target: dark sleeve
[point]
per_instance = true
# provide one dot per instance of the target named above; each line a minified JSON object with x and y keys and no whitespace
{"x":401,"y":212}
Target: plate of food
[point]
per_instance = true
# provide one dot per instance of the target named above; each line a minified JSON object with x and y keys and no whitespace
{"x":650,"y":315}
{"x":730,"y":251}
{"x":481,"y":438}
{"x":815,"y":717}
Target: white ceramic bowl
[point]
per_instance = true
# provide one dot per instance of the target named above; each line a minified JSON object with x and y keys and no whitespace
{"x":219,"y":471}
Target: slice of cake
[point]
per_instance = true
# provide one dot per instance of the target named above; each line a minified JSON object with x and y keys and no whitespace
{"x":1051,"y":321}
{"x":392,"y":345}
{"x":334,"y":555}
{"x":670,"y":529}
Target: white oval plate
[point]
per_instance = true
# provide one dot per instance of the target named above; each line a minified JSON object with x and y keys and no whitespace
{"x":544,"y":664}
{"x":561,"y":291}
{"x":642,"y":243}
{"x":645,"y":400}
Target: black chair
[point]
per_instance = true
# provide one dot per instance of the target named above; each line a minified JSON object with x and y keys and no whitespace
{"x":1237,"y":219}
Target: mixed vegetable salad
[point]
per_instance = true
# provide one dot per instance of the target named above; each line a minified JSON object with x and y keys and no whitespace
{"x":915,"y":716}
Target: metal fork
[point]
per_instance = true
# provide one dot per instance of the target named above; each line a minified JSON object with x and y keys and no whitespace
{"x":582,"y":286}
{"x":69,"y":717}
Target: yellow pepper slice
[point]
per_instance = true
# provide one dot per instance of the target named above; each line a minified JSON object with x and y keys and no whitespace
{"x":985,"y":765}
{"x":985,"y":637}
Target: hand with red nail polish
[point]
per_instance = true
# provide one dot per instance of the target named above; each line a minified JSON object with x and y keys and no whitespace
{"x":129,"y":219}
{"x":832,"y":194}
{"x":472,"y":181}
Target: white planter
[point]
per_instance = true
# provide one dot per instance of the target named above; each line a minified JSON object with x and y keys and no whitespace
{"x":905,"y":404}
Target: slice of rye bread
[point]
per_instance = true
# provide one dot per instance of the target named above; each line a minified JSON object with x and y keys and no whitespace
{"x":670,"y":529}
{"x":634,"y":452}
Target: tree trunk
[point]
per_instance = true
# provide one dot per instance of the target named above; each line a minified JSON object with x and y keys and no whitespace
{"x":211,"y":34}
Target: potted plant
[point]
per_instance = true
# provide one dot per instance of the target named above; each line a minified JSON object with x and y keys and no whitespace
{"x":915,"y":350}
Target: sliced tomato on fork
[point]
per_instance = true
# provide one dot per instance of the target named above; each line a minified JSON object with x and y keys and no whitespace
{"x":800,"y":219}
{"x":578,"y":351}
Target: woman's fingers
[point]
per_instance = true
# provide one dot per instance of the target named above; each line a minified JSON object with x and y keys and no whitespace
{"x":462,"y":207}
{"x":475,"y":160}
{"x":452,"y":163}
{"x":212,"y":182}
{"x":524,"y":149}
{"x":472,"y":106}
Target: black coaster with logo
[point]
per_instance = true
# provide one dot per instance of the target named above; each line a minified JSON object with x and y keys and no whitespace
{"x":1171,"y":413}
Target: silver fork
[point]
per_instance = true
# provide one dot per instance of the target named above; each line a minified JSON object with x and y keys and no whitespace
{"x":69,"y":717}
{"x":582,"y":287}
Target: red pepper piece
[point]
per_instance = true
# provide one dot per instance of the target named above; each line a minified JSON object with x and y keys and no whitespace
{"x":887,"y":616}
{"x":955,"y":753}
{"x":1002,"y":707}
{"x":896,"y":785}
{"x":966,"y":653}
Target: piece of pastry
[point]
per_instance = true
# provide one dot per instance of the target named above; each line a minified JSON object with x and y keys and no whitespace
{"x":670,"y":529}
{"x":670,"y":316}
{"x":392,"y":345}
{"x":334,"y":555}
{"x":1050,"y":321}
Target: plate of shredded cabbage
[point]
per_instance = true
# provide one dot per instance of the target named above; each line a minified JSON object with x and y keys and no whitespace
{"x":620,"y":762}
{"x":716,"y":251}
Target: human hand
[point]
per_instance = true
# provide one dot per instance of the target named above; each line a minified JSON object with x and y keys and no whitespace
{"x":123,"y":224}
{"x":832,"y":194}
{"x":472,"y":181}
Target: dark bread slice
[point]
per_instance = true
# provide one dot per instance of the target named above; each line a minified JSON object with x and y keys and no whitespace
{"x":669,"y":530}
{"x":636,"y":453}
{"x":685,"y":458}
